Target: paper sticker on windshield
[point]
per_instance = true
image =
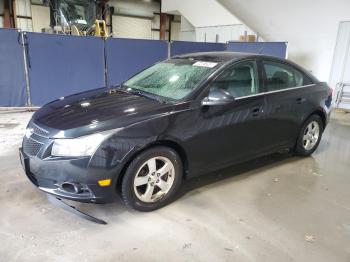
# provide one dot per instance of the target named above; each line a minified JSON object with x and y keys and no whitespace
{"x":205,"y":64}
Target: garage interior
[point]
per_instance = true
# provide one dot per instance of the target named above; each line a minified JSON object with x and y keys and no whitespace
{"x":276,"y":208}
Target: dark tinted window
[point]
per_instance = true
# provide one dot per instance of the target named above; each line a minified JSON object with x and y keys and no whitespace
{"x":281,"y":76}
{"x":239,"y":80}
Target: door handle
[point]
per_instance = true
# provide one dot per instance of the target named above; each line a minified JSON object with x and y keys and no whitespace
{"x":256,"y":111}
{"x":300,"y":100}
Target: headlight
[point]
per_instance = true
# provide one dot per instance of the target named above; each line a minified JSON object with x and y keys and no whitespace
{"x":82,"y":146}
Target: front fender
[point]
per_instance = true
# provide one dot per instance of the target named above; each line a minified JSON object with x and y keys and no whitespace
{"x":117,"y":151}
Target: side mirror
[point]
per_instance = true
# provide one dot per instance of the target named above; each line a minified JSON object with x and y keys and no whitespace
{"x":217,"y":97}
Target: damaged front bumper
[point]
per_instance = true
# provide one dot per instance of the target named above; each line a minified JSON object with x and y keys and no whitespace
{"x":66,"y":178}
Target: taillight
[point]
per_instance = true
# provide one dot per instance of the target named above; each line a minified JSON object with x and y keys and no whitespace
{"x":330,"y":91}
{"x":330,"y":96}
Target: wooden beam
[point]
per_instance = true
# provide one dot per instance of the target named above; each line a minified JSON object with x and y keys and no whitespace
{"x":7,"y":15}
{"x":163,"y":18}
{"x":14,"y":13}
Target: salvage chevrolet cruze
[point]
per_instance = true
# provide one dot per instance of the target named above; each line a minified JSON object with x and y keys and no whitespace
{"x":186,"y":116}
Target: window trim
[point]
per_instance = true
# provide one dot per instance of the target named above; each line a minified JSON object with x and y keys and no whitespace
{"x":276,"y":91}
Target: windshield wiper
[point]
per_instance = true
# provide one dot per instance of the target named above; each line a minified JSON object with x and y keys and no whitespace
{"x":142,"y":93}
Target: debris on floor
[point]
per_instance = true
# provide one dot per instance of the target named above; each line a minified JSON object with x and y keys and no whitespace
{"x":310,"y":238}
{"x":187,"y":245}
{"x":315,"y":172}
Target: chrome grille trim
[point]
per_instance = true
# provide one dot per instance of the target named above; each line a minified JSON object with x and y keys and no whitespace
{"x":39,"y":131}
{"x":31,"y":147}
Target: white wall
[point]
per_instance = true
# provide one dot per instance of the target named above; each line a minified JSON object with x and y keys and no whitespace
{"x":310,"y":27}
{"x":187,"y":30}
{"x":200,"y":13}
{"x":221,"y":34}
{"x":340,"y":72}
{"x":205,"y":20}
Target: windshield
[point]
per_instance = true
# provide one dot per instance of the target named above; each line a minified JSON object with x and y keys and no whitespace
{"x":173,"y":79}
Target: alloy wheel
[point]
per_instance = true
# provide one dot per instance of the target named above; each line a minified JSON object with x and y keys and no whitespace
{"x":154,"y":179}
{"x":311,"y":135}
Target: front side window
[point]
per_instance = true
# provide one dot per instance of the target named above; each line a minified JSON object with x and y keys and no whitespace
{"x":281,"y":76}
{"x":174,"y":78}
{"x":239,"y":80}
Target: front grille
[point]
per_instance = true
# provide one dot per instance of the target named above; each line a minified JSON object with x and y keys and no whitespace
{"x":39,"y":131}
{"x":31,"y":147}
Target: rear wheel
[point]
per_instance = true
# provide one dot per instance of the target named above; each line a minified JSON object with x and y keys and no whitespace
{"x":309,"y":136}
{"x":152,"y":179}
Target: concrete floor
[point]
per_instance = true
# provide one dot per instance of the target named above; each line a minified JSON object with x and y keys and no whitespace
{"x":277,"y":208}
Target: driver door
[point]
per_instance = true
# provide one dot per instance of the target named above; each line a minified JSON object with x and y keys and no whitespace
{"x":231,"y":133}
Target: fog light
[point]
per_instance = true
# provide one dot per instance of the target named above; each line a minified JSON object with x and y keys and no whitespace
{"x":105,"y":182}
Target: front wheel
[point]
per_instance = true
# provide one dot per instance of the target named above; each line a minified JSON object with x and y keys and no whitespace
{"x":309,"y":136}
{"x":152,"y":179}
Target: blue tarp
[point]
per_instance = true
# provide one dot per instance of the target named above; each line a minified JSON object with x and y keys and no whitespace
{"x":126,"y":57}
{"x":278,"y":49}
{"x":60,"y":65}
{"x":183,"y":47}
{"x":12,"y":77}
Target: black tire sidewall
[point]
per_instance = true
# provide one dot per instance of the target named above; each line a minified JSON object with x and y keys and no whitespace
{"x":300,"y":150}
{"x":127,"y":186}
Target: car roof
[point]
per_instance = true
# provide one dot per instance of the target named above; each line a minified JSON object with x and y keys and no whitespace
{"x":227,"y":57}
{"x":221,"y":56}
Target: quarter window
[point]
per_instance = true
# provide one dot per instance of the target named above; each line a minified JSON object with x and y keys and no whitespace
{"x":282,"y":76}
{"x":239,"y":80}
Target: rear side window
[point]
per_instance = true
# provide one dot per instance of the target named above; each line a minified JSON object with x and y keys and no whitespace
{"x":281,"y":76}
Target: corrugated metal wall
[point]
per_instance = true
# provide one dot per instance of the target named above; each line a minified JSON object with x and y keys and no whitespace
{"x":24,"y":15}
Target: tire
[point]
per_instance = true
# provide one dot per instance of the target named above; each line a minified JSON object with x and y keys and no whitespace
{"x":301,"y":147}
{"x":145,"y":172}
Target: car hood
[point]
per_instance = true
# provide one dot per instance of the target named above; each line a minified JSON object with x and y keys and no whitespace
{"x":96,"y":110}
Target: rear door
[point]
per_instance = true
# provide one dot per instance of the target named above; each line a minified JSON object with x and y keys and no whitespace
{"x":287,"y":101}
